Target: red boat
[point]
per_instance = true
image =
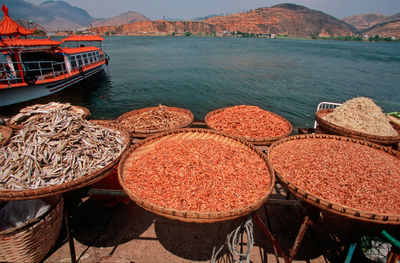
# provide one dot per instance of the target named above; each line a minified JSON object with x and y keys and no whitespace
{"x":31,"y":68}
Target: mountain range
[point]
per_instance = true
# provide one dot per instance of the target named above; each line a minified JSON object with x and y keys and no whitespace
{"x":373,"y":24}
{"x":284,"y":19}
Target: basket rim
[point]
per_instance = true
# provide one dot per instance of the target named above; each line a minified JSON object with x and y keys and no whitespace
{"x":331,"y":127}
{"x":328,"y":205}
{"x":53,"y":205}
{"x":31,"y":193}
{"x":254,"y":140}
{"x":6,"y":133}
{"x":153,"y":131}
{"x":192,"y":216}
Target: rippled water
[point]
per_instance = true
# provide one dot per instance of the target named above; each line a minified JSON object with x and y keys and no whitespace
{"x":288,"y":77}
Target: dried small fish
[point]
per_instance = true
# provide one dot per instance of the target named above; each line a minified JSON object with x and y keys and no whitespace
{"x":26,"y":114}
{"x":57,"y":147}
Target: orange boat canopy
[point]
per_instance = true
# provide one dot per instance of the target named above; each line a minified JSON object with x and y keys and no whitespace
{"x":9,"y":27}
{"x":82,"y":38}
{"x":77,"y":50}
{"x":20,"y":42}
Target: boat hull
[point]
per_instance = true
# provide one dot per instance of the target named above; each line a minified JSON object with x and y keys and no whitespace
{"x":16,"y":95}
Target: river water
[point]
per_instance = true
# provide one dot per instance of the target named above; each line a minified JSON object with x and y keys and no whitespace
{"x":286,"y":76}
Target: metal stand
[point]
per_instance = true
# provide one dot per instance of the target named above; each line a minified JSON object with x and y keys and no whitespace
{"x":277,"y":247}
{"x":70,"y":236}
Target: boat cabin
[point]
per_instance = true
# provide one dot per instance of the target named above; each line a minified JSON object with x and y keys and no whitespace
{"x":37,"y":61}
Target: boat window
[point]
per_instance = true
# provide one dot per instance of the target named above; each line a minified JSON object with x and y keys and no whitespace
{"x":79,"y":59}
{"x":90,"y":57}
{"x":85,"y":58}
{"x":73,"y":61}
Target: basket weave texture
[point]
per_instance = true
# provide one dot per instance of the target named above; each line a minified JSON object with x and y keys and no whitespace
{"x":189,"y":216}
{"x":6,"y":133}
{"x":327,"y":205}
{"x":256,"y":141}
{"x":86,"y":180}
{"x":33,"y":240}
{"x":143,"y":133}
{"x":335,"y":129}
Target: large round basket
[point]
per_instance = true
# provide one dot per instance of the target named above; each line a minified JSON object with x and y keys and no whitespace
{"x":32,"y":241}
{"x":325,"y":203}
{"x":82,"y":111}
{"x":143,"y":133}
{"x":75,"y":184}
{"x":6,"y":133}
{"x":146,"y":145}
{"x":256,"y":141}
{"x":335,"y":129}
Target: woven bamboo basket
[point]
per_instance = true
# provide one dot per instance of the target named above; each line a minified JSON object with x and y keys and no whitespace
{"x":190,"y":216}
{"x":396,"y":125}
{"x":74,"y":108}
{"x":83,"y":181}
{"x":262,"y":141}
{"x":32,"y":241}
{"x":6,"y":133}
{"x":143,"y":133}
{"x":335,"y":129}
{"x":328,"y":205}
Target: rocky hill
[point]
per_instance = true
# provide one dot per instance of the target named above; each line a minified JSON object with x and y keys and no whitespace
{"x":52,"y":15}
{"x":365,"y":21}
{"x":61,"y":16}
{"x":122,"y":19}
{"x":386,"y":29}
{"x":375,"y":24}
{"x":160,"y":27}
{"x":286,"y":19}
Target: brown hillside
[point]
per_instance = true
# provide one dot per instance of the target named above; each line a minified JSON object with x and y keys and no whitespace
{"x":365,"y":21}
{"x":159,"y":27}
{"x":286,"y":19}
{"x":388,"y":29}
{"x":122,"y":19}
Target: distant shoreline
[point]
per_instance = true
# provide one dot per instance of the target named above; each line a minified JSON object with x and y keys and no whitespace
{"x":246,"y":35}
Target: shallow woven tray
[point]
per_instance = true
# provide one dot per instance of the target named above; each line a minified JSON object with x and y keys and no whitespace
{"x":6,"y":133}
{"x":86,"y":180}
{"x":86,"y":115}
{"x":31,"y":241}
{"x":255,"y":141}
{"x":189,"y":216}
{"x":335,"y":129}
{"x":143,"y":133}
{"x":327,"y":205}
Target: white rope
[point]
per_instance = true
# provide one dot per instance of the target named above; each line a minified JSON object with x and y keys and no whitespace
{"x":234,"y":239}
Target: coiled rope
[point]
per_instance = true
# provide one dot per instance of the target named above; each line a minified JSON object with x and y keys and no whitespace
{"x":234,"y":241}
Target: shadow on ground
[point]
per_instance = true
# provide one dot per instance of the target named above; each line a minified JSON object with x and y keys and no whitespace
{"x":193,"y":241}
{"x":100,"y":226}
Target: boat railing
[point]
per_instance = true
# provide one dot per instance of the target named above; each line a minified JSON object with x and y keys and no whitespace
{"x":32,"y":71}
{"x":41,"y":70}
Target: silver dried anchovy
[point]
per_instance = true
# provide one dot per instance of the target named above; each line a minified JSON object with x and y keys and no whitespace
{"x":56,"y":148}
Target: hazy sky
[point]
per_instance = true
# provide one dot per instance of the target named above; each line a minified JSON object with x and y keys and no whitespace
{"x":186,"y":9}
